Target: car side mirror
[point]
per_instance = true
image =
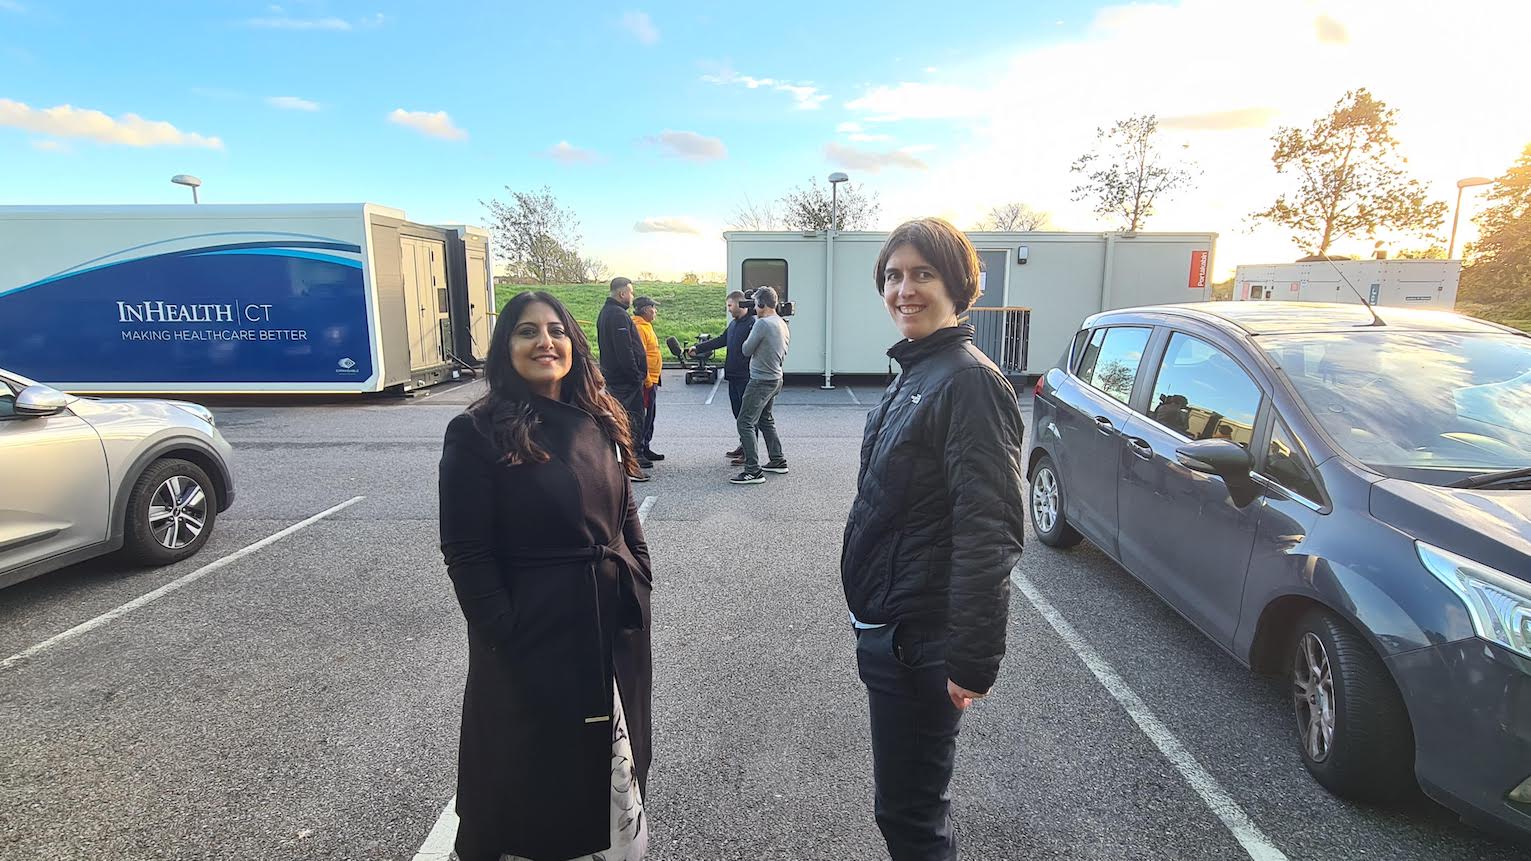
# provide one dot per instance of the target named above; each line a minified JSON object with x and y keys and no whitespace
{"x":1225,"y":459}
{"x":41,"y":401}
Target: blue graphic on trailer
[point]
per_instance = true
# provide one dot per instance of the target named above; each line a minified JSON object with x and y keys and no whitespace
{"x":290,"y":310}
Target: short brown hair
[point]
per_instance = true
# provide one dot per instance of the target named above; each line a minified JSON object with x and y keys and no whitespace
{"x":946,"y":248}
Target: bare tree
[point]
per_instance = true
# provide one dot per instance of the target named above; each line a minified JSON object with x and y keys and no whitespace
{"x":537,"y":236}
{"x":808,"y":208}
{"x":1126,"y":173}
{"x":1015,"y":216}
{"x":588,"y":270}
{"x":1351,"y":179}
{"x":753,"y":216}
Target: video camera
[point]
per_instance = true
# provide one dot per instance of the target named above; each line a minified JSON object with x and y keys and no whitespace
{"x":748,"y":303}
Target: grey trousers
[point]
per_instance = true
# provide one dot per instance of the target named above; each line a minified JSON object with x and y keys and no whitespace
{"x":755,"y":414}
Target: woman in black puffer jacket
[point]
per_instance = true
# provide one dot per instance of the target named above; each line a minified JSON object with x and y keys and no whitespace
{"x":933,"y":535}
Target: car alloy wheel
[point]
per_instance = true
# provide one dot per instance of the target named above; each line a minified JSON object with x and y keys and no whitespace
{"x":177,"y":512}
{"x":1044,"y":500}
{"x":1313,"y":689}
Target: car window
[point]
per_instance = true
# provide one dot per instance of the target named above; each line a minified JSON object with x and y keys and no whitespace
{"x":1110,"y":362}
{"x":7,"y":401}
{"x":1204,"y":394}
{"x":1421,"y":405}
{"x":1077,"y":348}
{"x":1288,"y":465}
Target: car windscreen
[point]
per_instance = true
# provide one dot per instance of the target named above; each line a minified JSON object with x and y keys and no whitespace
{"x":1428,"y":406}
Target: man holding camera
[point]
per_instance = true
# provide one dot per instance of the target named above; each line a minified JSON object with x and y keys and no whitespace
{"x":736,"y":365}
{"x":767,"y":348}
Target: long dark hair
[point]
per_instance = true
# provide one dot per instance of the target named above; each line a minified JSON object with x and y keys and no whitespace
{"x":507,"y":414}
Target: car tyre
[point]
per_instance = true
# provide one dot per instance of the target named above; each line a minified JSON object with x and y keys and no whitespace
{"x":1353,"y":729}
{"x":1046,"y":507}
{"x":171,"y":512}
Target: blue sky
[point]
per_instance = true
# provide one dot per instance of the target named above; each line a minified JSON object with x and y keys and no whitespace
{"x":669,"y":114}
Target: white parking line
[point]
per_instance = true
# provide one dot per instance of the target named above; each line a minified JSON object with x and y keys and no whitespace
{"x":108,"y":616}
{"x":855,"y":400}
{"x":714,"y":393}
{"x":1255,"y":843}
{"x":438,"y":844}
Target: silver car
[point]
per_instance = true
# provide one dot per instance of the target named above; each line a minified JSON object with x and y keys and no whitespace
{"x":81,"y":477}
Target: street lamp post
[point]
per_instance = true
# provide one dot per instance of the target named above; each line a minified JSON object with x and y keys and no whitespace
{"x":189,"y":181}
{"x":829,"y":275}
{"x":1469,"y":182}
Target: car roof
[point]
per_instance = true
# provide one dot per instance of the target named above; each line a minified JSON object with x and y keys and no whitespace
{"x":1283,"y":318}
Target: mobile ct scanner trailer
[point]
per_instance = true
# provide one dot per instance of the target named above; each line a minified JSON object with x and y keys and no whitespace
{"x":1398,"y":283}
{"x":1037,"y":288}
{"x":276,"y":299}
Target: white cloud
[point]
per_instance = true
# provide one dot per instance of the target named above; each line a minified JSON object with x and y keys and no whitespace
{"x":641,"y":26}
{"x":848,"y":127}
{"x":46,"y":145}
{"x":72,"y":122}
{"x":689,"y":145}
{"x":436,"y":125}
{"x":1330,"y":31}
{"x":292,"y":103}
{"x":916,"y":101}
{"x":1014,"y":138}
{"x":12,"y":6}
{"x":805,"y":96}
{"x":871,"y":161}
{"x":568,"y":153}
{"x":1241,"y":118}
{"x":668,"y":224}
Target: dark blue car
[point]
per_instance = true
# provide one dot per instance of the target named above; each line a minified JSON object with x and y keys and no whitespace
{"x":1339,"y":498}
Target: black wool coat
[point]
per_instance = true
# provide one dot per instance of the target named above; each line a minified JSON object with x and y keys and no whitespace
{"x":552,"y":572}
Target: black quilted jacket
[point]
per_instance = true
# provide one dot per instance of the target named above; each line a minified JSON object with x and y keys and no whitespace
{"x":938,"y":519}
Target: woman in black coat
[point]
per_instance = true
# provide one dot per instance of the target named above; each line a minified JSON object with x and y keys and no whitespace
{"x":545,"y":551}
{"x":935,"y":529}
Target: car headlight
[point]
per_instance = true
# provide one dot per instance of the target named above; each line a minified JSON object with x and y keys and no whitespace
{"x":197,"y":410}
{"x":1500,"y":605}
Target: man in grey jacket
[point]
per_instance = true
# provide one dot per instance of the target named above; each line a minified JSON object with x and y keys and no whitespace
{"x":767,"y":348}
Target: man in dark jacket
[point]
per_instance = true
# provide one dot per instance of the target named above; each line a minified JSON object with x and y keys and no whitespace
{"x":624,"y":362}
{"x":736,"y":365}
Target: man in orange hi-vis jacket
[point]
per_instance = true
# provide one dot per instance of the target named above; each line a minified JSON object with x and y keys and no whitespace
{"x":644,"y":312}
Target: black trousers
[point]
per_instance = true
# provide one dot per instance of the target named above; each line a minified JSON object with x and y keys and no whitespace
{"x":631,"y":399}
{"x":650,"y":407}
{"x":914,"y":739}
{"x":736,"y":392}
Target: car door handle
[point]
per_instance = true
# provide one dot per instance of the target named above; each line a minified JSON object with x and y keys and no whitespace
{"x":1140,"y":447}
{"x":1104,"y":425}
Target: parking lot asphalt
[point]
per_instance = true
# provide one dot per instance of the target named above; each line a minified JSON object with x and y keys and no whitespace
{"x":302,"y":700}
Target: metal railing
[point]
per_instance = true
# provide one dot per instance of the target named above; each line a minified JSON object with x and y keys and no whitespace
{"x":1003,"y":335}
